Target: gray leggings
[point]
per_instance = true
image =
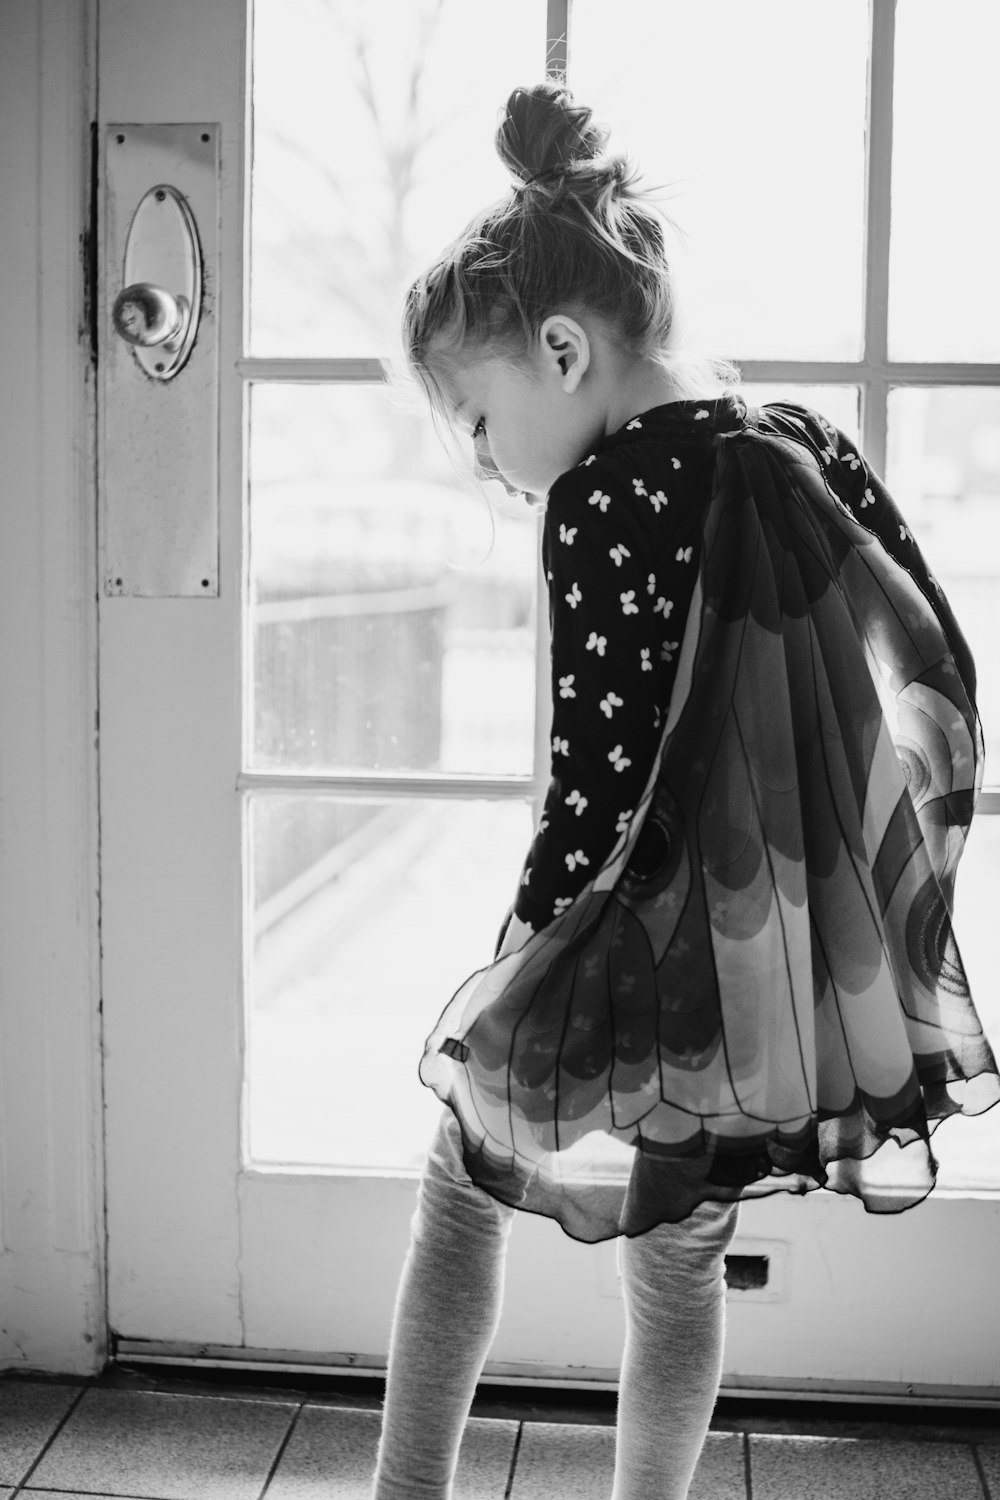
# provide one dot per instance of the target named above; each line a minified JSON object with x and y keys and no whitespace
{"x":447,"y":1312}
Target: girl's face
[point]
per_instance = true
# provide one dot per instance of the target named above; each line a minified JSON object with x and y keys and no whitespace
{"x":527,"y":428}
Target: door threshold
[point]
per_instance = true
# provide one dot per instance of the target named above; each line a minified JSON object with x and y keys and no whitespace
{"x":292,"y":1362}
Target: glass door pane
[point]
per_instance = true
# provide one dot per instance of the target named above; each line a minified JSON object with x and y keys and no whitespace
{"x":372,"y":127}
{"x":969,"y":1150}
{"x":944,"y":299}
{"x":838,"y":403}
{"x":391,"y":606}
{"x":751,"y":118}
{"x":367,"y":916}
{"x":944,"y":469}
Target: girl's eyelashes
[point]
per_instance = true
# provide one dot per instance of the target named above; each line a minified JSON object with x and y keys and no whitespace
{"x":479,"y":430}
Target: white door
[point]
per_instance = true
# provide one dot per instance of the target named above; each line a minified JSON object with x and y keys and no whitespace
{"x":319,"y":742}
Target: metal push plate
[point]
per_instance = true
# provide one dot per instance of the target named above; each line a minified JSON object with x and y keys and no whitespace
{"x":159,"y":437}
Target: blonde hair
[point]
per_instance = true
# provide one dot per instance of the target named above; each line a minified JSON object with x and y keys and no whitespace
{"x":574,"y":232}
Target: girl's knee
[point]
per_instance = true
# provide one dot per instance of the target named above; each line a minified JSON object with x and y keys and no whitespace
{"x":449,"y":1200}
{"x":693,"y":1250}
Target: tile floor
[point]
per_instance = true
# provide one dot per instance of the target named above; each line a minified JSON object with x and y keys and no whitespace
{"x":157,"y":1440}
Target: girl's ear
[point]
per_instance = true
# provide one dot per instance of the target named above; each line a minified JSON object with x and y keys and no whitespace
{"x":565,"y":350}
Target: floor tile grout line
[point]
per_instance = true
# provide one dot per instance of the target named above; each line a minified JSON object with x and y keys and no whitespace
{"x":977,"y":1459}
{"x":78,"y":1494}
{"x":747,"y":1474}
{"x":282,"y":1447}
{"x":57,"y":1429}
{"x":513,"y":1462}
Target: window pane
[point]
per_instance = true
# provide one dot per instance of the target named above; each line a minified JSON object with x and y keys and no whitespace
{"x":969,"y":1150}
{"x":366,"y":917}
{"x":838,"y":403}
{"x":392,"y":616}
{"x":373,"y":127}
{"x":753,"y":117}
{"x":945,"y":294}
{"x":944,"y":470}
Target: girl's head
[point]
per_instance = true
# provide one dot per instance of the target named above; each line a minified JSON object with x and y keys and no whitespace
{"x":573,"y":243}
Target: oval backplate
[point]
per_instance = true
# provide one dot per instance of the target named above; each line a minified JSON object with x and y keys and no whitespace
{"x":163,"y":249}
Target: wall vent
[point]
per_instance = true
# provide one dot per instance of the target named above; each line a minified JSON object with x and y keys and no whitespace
{"x":747,"y":1273}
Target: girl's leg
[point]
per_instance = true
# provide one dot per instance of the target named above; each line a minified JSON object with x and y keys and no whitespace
{"x":673,"y":1283}
{"x":447,"y":1310}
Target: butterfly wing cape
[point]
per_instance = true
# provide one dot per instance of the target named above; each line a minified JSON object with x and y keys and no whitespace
{"x":760,"y":989}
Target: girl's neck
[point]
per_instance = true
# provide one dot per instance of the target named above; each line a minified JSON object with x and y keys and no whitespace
{"x":639,"y":385}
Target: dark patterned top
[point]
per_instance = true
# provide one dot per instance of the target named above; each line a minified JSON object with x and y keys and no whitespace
{"x":620,"y":548}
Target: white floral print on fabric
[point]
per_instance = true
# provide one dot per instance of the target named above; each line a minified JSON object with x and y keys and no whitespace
{"x":611,"y":561}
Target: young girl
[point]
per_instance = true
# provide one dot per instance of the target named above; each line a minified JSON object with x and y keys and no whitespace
{"x":729,"y":968}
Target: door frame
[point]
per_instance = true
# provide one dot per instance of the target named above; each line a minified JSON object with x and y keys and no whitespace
{"x":51,"y":1118}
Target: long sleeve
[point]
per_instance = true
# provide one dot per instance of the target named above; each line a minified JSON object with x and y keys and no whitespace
{"x":620,"y":554}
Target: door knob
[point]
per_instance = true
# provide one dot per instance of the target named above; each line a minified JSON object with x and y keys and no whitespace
{"x":148,"y":316}
{"x":158,"y":312}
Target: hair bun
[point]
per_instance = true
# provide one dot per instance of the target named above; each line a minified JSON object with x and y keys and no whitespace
{"x":542,"y":133}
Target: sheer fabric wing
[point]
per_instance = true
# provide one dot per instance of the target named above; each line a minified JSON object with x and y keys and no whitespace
{"x":761,"y":987}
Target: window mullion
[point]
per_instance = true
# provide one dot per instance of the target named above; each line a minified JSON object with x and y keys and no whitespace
{"x":386,"y":784}
{"x":316,"y":371}
{"x":557,"y":38}
{"x":878,"y":208}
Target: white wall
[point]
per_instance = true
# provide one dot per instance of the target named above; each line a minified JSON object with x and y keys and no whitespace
{"x":51,"y":1196}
